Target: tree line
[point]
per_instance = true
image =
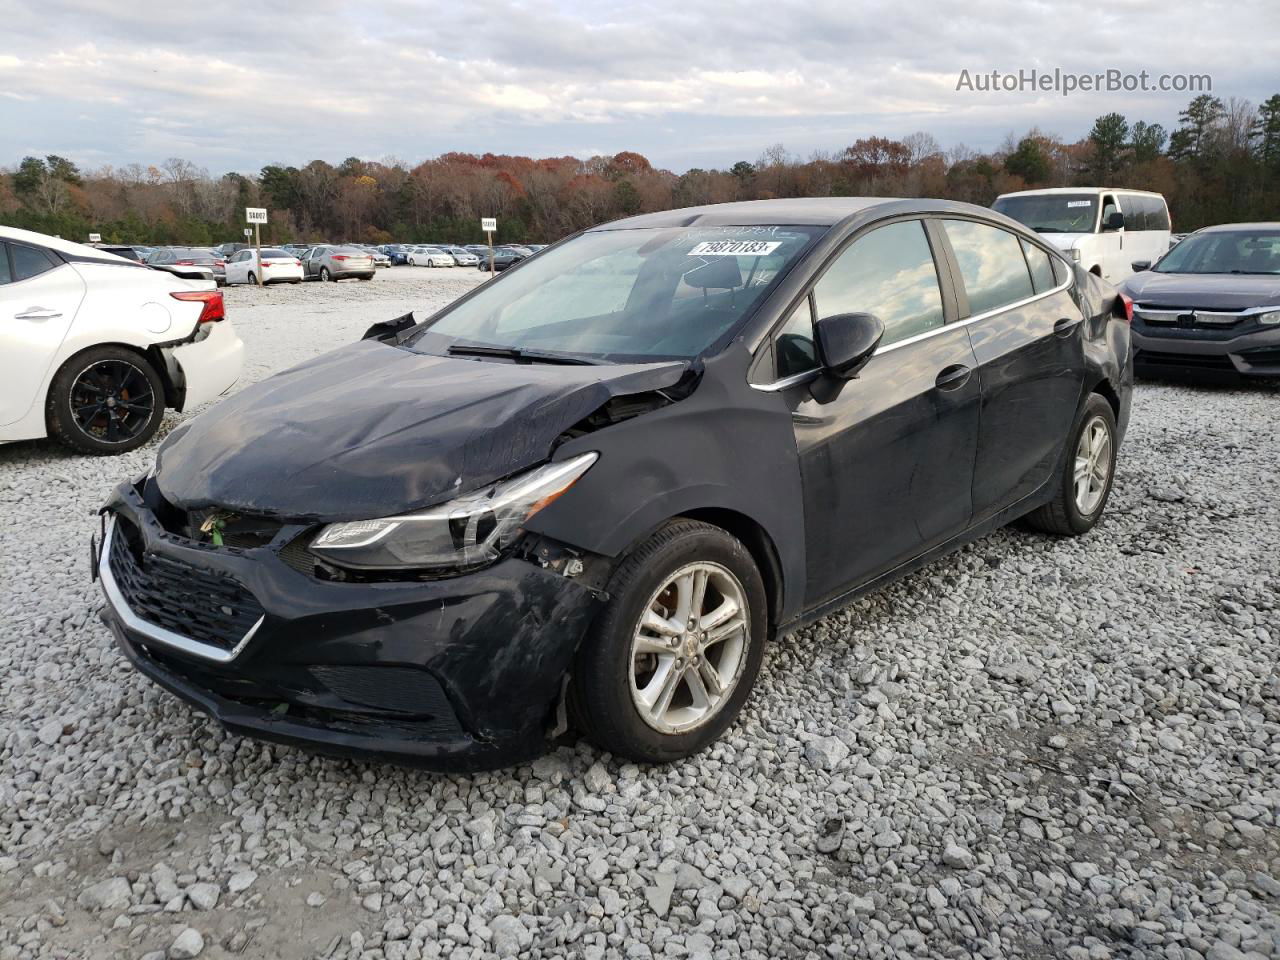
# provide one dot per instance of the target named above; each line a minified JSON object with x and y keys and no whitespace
{"x":1219,"y":165}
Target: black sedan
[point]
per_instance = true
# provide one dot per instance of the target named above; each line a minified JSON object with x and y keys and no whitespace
{"x":1211,"y":305}
{"x":590,"y":492}
{"x":503,"y":257}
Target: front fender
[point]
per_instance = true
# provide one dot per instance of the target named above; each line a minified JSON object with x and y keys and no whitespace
{"x":725,"y":447}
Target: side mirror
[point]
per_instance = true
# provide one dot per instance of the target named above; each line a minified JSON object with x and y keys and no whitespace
{"x":1114,"y":222}
{"x":846,"y":342}
{"x":1140,"y":265}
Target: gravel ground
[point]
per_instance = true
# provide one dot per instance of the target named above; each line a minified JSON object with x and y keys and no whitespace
{"x":1035,"y":748}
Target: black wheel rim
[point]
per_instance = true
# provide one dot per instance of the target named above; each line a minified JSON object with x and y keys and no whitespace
{"x":112,"y":401}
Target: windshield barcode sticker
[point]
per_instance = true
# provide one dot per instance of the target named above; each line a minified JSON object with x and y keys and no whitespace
{"x":735,"y":248}
{"x":1079,"y":203}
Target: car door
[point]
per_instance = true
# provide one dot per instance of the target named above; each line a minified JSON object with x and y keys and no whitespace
{"x":233,"y":268}
{"x":1110,"y":243}
{"x":39,"y":297}
{"x":886,"y":459}
{"x":1028,"y":337}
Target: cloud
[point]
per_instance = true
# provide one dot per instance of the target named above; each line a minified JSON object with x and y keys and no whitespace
{"x":684,"y":83}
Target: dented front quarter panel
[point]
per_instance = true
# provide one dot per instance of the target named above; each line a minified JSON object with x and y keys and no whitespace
{"x":725,"y":447}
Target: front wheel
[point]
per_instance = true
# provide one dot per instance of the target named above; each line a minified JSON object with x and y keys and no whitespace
{"x":325,"y":276}
{"x":672,"y":658}
{"x":106,"y":400}
{"x":1087,"y":473}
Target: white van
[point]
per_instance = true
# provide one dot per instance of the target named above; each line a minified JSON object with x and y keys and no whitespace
{"x":1105,"y":229}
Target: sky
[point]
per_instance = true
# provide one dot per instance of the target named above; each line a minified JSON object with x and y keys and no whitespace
{"x":235,"y":85}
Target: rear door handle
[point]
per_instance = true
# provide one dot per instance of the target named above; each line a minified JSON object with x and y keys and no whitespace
{"x":952,"y":377}
{"x":38,"y":314}
{"x":1064,"y":326}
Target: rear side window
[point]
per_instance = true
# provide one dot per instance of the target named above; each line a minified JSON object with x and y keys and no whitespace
{"x":889,"y":272}
{"x":992,"y":266}
{"x":1157,"y":214}
{"x":29,"y":262}
{"x":1040,"y":267}
{"x":5,"y":275}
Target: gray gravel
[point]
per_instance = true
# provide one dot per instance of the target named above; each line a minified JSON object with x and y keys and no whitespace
{"x":1035,"y":748}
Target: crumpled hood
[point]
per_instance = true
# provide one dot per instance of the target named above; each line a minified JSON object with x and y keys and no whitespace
{"x":371,"y":429}
{"x":1208,"y":291}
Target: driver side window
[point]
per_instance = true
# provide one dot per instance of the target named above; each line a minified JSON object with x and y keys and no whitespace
{"x":1108,"y":208}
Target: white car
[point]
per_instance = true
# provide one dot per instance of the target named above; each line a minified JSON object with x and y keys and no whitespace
{"x":463,"y":258}
{"x":1104,"y":229}
{"x":93,"y":347}
{"x":429,"y":257}
{"x":278,"y":266}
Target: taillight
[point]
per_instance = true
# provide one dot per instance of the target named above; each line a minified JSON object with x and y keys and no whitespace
{"x":339,"y":256}
{"x":297,"y":263}
{"x":212,"y":299}
{"x":1124,"y":305}
{"x":265,"y":264}
{"x":219,"y":263}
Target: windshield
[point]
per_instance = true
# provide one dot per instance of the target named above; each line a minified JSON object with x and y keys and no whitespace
{"x":1052,"y":212}
{"x":1234,"y":251}
{"x":628,"y":294}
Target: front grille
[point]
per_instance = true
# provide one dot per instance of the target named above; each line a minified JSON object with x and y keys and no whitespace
{"x":1197,"y":360}
{"x":198,"y":604}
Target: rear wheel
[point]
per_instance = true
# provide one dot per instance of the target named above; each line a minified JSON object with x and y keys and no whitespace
{"x":1088,"y":470}
{"x":253,"y":279}
{"x":325,"y":276}
{"x":673,"y":657}
{"x":106,"y":400}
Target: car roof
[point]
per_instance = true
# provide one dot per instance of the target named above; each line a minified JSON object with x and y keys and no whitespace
{"x":800,"y":211}
{"x":79,"y":251}
{"x":1053,"y":190}
{"x":1232,"y":227}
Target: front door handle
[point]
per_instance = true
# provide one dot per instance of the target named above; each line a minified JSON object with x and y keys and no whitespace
{"x":952,"y":377}
{"x":1065,"y":326}
{"x":38,"y":314}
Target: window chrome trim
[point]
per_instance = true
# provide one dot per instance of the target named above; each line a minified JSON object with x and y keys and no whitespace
{"x":149,"y":630}
{"x":798,"y":378}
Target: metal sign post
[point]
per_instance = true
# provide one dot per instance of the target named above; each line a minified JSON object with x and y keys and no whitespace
{"x":490,"y":226}
{"x":257,"y":216}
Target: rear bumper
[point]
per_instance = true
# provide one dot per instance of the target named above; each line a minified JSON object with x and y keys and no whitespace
{"x":1253,"y":352}
{"x":210,"y":367}
{"x":463,"y":673}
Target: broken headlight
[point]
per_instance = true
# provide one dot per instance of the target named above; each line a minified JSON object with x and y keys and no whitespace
{"x":469,"y":531}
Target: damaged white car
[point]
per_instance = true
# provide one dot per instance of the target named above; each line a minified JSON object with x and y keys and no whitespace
{"x":94,"y":347}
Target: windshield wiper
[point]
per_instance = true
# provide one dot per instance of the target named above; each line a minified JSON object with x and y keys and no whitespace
{"x":518,"y":354}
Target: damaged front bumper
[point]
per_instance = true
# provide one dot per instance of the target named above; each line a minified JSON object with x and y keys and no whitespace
{"x":459,"y":673}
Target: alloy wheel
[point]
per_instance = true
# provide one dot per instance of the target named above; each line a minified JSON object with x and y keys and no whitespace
{"x":689,"y":648}
{"x":1092,"y":465}
{"x":112,"y":401}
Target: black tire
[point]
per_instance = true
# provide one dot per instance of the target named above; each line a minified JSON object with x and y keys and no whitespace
{"x":1062,"y":515}
{"x":253,"y":278}
{"x":600,"y":697}
{"x":92,"y":433}
{"x":325,"y":275}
